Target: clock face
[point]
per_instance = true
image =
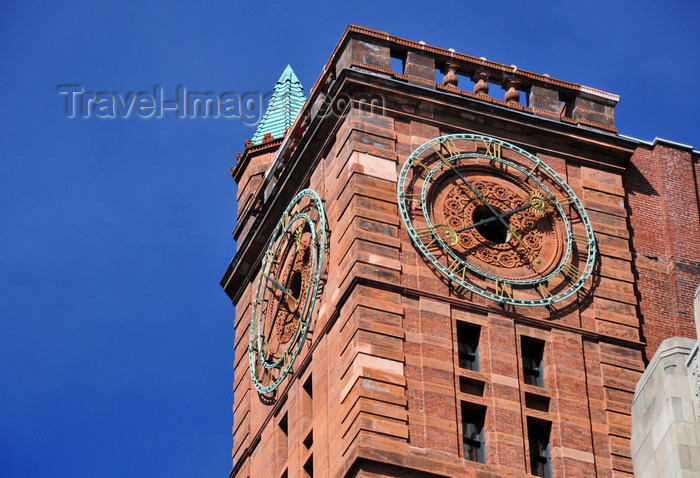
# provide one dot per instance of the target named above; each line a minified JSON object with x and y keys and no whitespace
{"x":286,"y":291}
{"x":496,"y":220}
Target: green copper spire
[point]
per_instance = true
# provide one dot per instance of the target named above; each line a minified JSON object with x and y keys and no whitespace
{"x":285,"y":104}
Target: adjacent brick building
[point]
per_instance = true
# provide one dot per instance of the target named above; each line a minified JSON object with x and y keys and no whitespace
{"x":401,"y":372}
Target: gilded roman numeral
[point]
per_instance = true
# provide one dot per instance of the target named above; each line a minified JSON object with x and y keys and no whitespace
{"x":532,"y":171}
{"x":566,"y":200}
{"x":457,"y":268}
{"x":492,"y":149}
{"x":414,"y":197}
{"x":297,"y":236}
{"x":571,"y":271}
{"x":449,"y":147}
{"x":534,"y":168}
{"x":267,"y":378}
{"x":543,"y":290}
{"x":426,"y":232}
{"x":581,"y":240}
{"x":420,"y":163}
{"x":504,"y":289}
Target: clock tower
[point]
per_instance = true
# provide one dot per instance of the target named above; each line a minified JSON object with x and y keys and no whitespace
{"x":434,"y":279}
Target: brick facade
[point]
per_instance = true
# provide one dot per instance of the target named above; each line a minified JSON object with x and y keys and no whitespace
{"x":662,"y":184}
{"x":378,"y":390}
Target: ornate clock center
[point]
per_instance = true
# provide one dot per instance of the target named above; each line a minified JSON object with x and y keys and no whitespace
{"x":490,"y":240}
{"x":296,"y":273}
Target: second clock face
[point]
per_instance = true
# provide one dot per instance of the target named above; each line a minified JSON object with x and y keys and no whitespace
{"x":286,"y":291}
{"x":496,"y":220}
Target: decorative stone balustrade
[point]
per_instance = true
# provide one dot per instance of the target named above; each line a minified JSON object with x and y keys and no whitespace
{"x":373,"y":50}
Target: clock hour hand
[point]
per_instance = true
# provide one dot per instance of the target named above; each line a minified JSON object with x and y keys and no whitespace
{"x":282,"y":288}
{"x":534,"y":203}
{"x":494,"y":218}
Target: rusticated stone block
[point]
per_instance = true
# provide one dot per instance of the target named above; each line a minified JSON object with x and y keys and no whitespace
{"x":367,"y":52}
{"x":420,"y":66}
{"x":544,"y":99}
{"x":593,"y":111}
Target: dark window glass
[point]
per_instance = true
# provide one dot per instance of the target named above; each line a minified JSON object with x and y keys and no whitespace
{"x":538,"y":436}
{"x":473,"y":433}
{"x":468,"y":346}
{"x":532,"y":350}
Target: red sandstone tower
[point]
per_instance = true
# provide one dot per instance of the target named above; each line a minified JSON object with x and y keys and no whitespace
{"x":432,"y":281}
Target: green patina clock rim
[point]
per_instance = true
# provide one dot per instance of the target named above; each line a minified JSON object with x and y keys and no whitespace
{"x":401,"y":187}
{"x":318,"y":251}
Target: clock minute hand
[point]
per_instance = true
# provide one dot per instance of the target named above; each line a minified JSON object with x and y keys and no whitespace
{"x":494,"y":218}
{"x":282,"y":288}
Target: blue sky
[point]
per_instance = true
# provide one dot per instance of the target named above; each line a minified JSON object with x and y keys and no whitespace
{"x":115,"y":336}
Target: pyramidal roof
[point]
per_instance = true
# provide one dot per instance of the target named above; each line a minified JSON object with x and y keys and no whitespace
{"x":284,"y":106}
